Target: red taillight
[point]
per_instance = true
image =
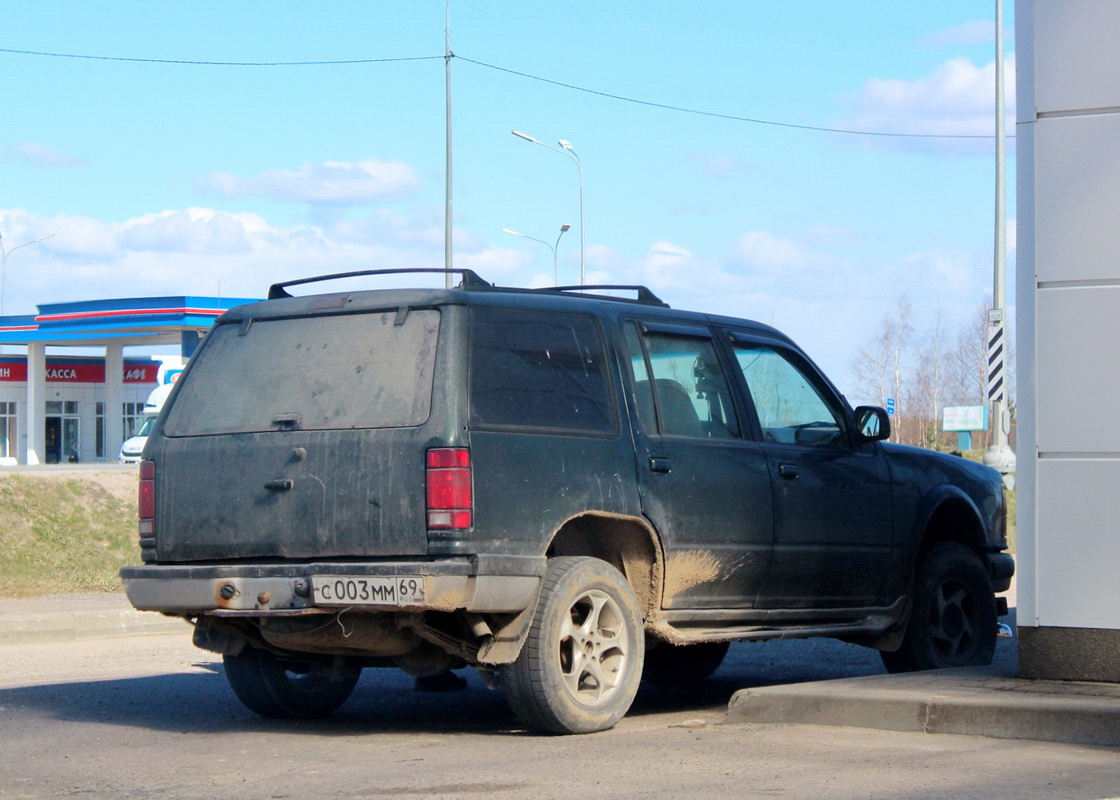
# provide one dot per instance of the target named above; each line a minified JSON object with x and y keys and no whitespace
{"x":450,"y":500}
{"x":147,"y":499}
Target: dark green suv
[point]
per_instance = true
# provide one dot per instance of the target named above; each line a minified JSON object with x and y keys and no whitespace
{"x":565,"y":490}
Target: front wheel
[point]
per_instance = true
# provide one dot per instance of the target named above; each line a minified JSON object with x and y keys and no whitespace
{"x":953,"y":620}
{"x":580,"y":667}
{"x":274,"y":687}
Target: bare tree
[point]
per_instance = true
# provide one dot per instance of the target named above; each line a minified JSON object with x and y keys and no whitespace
{"x":972,"y":358}
{"x":928,"y":391}
{"x":880,"y":366}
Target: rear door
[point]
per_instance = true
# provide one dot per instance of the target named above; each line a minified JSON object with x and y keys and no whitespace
{"x":299,"y":438}
{"x":545,"y":437}
{"x":704,"y":487}
{"x":832,"y":500}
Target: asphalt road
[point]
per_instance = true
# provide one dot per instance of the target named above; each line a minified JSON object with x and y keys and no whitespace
{"x":152,"y":716}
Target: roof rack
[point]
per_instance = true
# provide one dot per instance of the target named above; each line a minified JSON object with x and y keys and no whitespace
{"x":645,"y":296}
{"x":470,"y":279}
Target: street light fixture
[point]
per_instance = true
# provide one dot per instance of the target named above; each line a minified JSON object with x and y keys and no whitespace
{"x":563,"y":229}
{"x":4,"y":262}
{"x":566,"y":149}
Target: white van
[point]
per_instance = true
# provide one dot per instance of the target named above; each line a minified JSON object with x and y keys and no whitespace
{"x":134,"y":445}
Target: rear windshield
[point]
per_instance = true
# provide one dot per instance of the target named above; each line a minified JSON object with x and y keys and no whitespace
{"x":311,"y":373}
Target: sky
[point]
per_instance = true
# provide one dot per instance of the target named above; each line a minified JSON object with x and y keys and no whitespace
{"x":713,"y":166}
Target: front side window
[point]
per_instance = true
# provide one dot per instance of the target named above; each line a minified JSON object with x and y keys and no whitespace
{"x":538,"y":370}
{"x":790,"y":408}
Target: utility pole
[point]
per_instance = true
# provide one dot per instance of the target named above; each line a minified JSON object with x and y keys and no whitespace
{"x":999,"y":455}
{"x":447,"y":113}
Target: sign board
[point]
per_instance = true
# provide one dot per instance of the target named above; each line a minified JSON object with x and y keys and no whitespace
{"x":61,"y":370}
{"x":890,"y":405}
{"x":964,"y":418}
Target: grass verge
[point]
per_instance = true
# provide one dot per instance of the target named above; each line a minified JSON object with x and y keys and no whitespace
{"x":63,"y":535}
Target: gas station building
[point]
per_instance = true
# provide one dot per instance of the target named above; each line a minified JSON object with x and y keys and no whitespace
{"x":63,"y":408}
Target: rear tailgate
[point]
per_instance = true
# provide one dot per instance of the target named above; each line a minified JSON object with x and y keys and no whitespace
{"x":299,"y":437}
{"x":291,"y":495}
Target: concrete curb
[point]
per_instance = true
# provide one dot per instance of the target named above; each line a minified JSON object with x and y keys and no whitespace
{"x":71,"y":626}
{"x":982,"y":701}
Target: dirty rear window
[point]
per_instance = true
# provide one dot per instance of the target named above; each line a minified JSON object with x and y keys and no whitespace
{"x":312,"y":373}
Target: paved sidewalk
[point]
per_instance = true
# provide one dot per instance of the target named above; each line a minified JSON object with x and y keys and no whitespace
{"x":983,"y":701}
{"x":71,"y":617}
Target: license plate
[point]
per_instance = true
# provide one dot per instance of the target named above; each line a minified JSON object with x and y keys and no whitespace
{"x":351,"y":590}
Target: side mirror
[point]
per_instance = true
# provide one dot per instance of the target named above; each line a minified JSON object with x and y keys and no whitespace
{"x":872,"y":423}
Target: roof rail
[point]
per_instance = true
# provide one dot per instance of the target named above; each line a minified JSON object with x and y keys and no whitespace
{"x":470,"y":280}
{"x":645,"y":296}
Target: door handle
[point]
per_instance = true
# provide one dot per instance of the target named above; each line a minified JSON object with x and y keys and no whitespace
{"x":660,"y":465}
{"x":788,"y":470}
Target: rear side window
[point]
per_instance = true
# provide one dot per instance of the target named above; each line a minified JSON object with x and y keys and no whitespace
{"x":310,"y":373}
{"x":537,"y":370}
{"x":688,"y":393}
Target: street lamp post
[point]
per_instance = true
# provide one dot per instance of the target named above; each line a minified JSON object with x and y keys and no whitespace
{"x":4,"y":262}
{"x":566,"y":149}
{"x":563,"y":229}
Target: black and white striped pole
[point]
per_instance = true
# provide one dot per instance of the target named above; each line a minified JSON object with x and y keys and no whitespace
{"x":999,"y":455}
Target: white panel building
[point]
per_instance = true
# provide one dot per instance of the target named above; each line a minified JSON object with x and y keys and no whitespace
{"x":1068,"y":313}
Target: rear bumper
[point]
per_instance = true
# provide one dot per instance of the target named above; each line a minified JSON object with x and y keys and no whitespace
{"x":503,"y":584}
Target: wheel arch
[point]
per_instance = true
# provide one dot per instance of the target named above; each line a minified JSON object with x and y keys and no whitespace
{"x":627,"y":543}
{"x":950,"y":515}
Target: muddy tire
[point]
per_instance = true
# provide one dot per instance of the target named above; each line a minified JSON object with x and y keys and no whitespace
{"x":286,"y":689}
{"x":953,"y":621}
{"x":579,"y":669}
{"x":680,"y":665}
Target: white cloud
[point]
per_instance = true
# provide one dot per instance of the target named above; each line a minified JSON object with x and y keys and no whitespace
{"x":39,"y":155}
{"x":763,"y":252}
{"x":494,"y":262}
{"x":667,"y":265}
{"x":195,"y":231}
{"x":956,"y":99}
{"x":940,"y":272}
{"x":332,"y":182}
{"x":205,"y":251}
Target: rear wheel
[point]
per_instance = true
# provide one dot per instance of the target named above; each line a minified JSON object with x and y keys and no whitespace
{"x":953,"y":621}
{"x":274,"y":687}
{"x":579,"y":669}
{"x":676,"y":665}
